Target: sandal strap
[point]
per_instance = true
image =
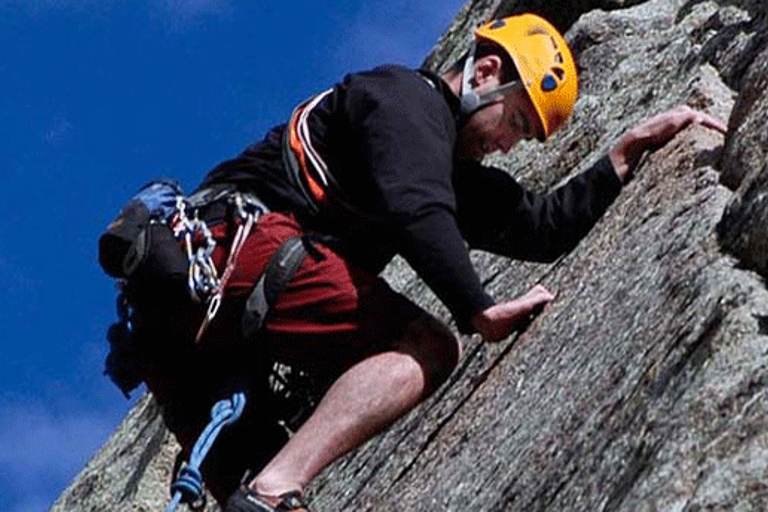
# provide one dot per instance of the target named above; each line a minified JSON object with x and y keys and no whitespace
{"x":247,"y":500}
{"x":292,"y":501}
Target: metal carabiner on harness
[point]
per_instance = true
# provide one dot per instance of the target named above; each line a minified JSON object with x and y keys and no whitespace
{"x":247,"y":210}
{"x":202,"y":277}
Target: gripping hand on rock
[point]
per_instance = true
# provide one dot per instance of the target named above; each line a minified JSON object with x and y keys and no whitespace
{"x":654,"y":133}
{"x":500,"y":320}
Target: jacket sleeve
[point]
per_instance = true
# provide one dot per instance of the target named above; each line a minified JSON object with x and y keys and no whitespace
{"x":498,"y":215}
{"x":407,"y":147}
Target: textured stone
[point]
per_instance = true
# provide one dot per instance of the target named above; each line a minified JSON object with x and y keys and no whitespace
{"x":643,"y":386}
{"x":747,"y":147}
{"x":561,"y":13}
{"x":744,"y":228}
{"x":132,"y":472}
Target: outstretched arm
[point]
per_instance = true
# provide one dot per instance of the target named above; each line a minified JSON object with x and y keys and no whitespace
{"x":653,"y":133}
{"x":499,"y":321}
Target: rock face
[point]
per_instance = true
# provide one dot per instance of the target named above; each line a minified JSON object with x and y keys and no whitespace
{"x":644,"y":385}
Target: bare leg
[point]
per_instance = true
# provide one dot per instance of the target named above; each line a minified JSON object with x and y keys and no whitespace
{"x":361,"y":403}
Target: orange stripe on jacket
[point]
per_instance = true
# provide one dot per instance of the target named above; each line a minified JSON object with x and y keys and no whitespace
{"x":315,"y":187}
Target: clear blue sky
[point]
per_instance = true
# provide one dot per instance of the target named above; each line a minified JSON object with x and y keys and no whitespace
{"x":96,"y":98}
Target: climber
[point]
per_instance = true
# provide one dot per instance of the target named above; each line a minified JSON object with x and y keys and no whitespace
{"x":386,"y":163}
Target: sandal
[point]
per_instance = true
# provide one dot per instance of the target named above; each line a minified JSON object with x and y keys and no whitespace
{"x":247,"y":500}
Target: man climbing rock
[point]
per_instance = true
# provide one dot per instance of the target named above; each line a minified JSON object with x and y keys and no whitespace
{"x":386,"y":163}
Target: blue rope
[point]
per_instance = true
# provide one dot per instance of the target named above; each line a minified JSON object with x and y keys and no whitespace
{"x":188,"y":487}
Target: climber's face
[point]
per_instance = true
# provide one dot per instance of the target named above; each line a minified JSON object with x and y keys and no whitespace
{"x":500,"y":125}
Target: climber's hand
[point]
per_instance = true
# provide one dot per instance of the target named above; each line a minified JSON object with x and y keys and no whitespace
{"x":500,"y":320}
{"x":654,"y":133}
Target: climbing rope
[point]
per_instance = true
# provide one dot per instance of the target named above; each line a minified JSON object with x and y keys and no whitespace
{"x":188,"y":487}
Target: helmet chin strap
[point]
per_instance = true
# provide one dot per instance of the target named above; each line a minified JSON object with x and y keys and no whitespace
{"x":471,"y":101}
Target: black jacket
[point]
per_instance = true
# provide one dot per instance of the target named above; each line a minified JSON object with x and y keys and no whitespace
{"x":388,"y":137}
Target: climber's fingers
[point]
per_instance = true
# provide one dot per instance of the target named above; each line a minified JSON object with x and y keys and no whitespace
{"x":500,"y":320}
{"x":711,"y":122}
{"x":659,"y":129}
{"x":654,"y":132}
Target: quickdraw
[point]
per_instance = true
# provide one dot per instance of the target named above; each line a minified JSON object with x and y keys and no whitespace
{"x":205,"y":285}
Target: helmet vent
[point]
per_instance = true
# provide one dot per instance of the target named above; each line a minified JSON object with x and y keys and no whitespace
{"x":560,"y":72}
{"x":498,"y":24}
{"x":548,"y":83}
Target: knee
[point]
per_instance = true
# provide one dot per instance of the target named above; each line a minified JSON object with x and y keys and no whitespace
{"x":432,"y":344}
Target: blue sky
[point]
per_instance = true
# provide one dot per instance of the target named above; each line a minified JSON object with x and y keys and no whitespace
{"x":96,"y":98}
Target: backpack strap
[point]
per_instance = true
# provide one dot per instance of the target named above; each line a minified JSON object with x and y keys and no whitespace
{"x":280,"y":269}
{"x":306,"y":167}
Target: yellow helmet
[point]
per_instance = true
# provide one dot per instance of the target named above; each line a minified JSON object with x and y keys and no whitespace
{"x":544,"y":62}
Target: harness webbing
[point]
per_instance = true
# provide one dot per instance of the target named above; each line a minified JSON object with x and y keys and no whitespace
{"x":243,"y":230}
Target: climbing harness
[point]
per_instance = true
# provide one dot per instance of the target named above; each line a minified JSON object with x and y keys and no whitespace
{"x":188,"y":487}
